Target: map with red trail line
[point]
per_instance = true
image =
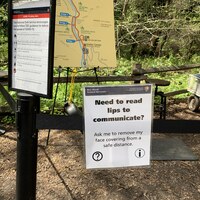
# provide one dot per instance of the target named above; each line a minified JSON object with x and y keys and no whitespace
{"x":85,"y":35}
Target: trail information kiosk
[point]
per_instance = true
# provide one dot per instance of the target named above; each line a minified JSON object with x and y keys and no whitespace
{"x":117,"y":125}
{"x":31,"y":42}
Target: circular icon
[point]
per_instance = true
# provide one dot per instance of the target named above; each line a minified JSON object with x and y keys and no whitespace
{"x":97,"y":156}
{"x":139,"y":153}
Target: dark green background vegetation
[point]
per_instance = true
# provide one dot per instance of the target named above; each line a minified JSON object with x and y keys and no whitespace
{"x":157,"y":28}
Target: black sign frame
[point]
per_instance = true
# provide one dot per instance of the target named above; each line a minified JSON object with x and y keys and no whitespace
{"x":49,"y":64}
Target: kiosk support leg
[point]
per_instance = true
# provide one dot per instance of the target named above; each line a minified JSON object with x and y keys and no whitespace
{"x":27,"y":142}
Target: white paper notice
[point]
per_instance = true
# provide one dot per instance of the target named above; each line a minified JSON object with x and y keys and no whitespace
{"x":30,"y":46}
{"x":117,"y":125}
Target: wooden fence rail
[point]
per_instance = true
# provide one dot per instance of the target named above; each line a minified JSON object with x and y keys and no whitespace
{"x":138,"y":73}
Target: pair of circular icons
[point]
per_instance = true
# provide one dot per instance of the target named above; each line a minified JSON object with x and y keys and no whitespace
{"x":98,"y":156}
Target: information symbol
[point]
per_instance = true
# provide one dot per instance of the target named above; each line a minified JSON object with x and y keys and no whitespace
{"x":139,"y":153}
{"x":97,"y":156}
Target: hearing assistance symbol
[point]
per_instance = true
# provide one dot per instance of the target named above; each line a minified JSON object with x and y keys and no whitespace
{"x":97,"y":156}
{"x":139,"y":153}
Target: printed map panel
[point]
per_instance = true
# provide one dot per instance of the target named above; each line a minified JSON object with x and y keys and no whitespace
{"x":85,"y":34}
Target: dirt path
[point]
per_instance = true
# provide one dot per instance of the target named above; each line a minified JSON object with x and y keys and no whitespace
{"x":62,"y":175}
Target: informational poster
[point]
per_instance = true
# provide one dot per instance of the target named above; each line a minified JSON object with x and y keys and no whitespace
{"x":117,"y":125}
{"x":31,"y":59}
{"x":85,"y":35}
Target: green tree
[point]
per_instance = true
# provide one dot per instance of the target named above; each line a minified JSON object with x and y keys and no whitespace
{"x":157,"y":28}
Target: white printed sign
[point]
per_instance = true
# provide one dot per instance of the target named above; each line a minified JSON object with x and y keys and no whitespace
{"x":117,"y":125}
{"x":30,"y":68}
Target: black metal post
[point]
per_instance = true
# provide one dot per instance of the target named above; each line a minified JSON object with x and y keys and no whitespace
{"x":27,"y":142}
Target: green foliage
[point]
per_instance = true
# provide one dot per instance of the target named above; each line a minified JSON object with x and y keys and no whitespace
{"x":157,"y":28}
{"x":8,"y":120}
{"x":178,"y":80}
{"x":3,"y":36}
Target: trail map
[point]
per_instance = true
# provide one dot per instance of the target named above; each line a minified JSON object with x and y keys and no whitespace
{"x":85,"y":34}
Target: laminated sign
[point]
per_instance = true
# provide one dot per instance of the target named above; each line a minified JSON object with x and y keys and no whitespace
{"x":117,"y":125}
{"x":85,"y":34}
{"x":31,"y":44}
